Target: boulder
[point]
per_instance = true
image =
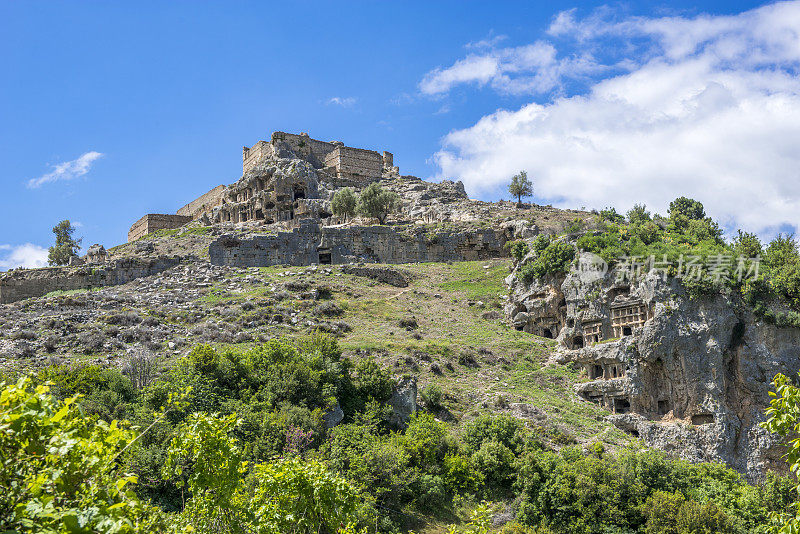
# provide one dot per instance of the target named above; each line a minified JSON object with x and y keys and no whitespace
{"x":403,"y":401}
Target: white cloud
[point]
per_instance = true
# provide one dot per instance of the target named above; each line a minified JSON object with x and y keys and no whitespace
{"x":533,"y":68}
{"x":27,"y":255}
{"x":345,"y":102}
{"x":709,"y":107}
{"x":68,"y":170}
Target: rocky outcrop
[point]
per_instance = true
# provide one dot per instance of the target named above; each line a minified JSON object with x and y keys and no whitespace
{"x":387,"y":275}
{"x":403,"y":401}
{"x":687,"y":376}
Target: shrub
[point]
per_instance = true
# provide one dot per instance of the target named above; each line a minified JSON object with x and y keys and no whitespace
{"x":432,"y":396}
{"x":638,"y":214}
{"x":409,"y":323}
{"x":518,"y":249}
{"x":540,"y":242}
{"x":328,"y":309}
{"x":503,"y":429}
{"x":553,"y":260}
{"x":496,"y":462}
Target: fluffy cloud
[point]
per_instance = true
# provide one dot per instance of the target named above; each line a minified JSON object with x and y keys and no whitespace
{"x":518,"y":70}
{"x":68,"y":170}
{"x":27,"y":255}
{"x":707,"y":107}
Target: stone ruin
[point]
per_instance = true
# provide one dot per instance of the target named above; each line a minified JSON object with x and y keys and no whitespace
{"x":279,"y":213}
{"x":291,"y":177}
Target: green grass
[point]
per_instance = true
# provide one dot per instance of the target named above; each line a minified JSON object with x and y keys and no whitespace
{"x":471,"y":279}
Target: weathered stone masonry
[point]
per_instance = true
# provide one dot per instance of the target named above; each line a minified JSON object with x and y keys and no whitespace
{"x":311,"y":243}
{"x":152,"y":222}
{"x":22,"y":284}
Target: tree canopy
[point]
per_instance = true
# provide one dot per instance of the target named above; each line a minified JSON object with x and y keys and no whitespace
{"x":520,"y":186}
{"x":377,"y":202}
{"x":344,"y":203}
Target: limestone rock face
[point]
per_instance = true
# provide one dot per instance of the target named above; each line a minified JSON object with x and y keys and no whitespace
{"x":403,"y":401}
{"x":687,"y":376}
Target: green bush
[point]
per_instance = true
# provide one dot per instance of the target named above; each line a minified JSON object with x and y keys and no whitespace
{"x":553,"y":260}
{"x":496,"y":462}
{"x":432,"y":396}
{"x":503,"y":429}
{"x":518,"y":249}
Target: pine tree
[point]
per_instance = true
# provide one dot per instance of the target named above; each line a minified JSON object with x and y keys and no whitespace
{"x":66,"y":246}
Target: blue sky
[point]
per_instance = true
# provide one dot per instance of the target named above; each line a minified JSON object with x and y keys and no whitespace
{"x":110,"y":110}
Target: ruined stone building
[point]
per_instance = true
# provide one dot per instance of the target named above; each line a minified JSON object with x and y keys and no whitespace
{"x":290,"y":177}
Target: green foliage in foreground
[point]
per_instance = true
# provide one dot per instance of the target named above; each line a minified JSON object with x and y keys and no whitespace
{"x":783,"y":418}
{"x":235,"y":441}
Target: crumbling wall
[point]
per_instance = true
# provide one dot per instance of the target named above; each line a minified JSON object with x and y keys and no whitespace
{"x":287,"y":145}
{"x":355,"y":163}
{"x":27,"y":283}
{"x":204,"y":203}
{"x":153,"y":222}
{"x":251,"y":156}
{"x":311,"y":243}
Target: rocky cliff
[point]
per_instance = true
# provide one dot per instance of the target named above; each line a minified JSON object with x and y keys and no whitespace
{"x":689,"y":376}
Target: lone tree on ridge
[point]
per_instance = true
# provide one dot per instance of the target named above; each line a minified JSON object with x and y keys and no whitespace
{"x":520,"y":187}
{"x":66,"y":246}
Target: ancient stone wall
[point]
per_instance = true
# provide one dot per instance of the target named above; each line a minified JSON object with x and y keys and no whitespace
{"x":312,"y":244}
{"x":156,"y":221}
{"x":254,"y":154}
{"x":27,"y":283}
{"x":355,"y":163}
{"x":302,"y":146}
{"x":204,"y":203}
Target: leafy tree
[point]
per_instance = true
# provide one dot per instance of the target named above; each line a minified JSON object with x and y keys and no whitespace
{"x":783,"y":418}
{"x":610,"y":214}
{"x":686,"y":207}
{"x":289,"y":496}
{"x":344,"y":203}
{"x":297,"y":496}
{"x":638,"y":214}
{"x":66,"y":246}
{"x":376,"y":202}
{"x":747,"y":245}
{"x":520,"y":186}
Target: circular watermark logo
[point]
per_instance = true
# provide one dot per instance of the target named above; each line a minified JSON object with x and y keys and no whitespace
{"x":590,"y":267}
